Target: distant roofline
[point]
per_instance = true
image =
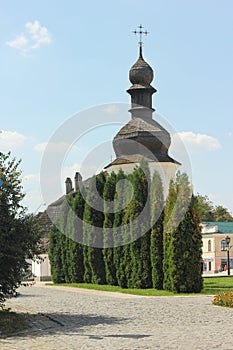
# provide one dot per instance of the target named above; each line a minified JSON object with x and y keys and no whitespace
{"x":224,"y":227}
{"x":212,"y":223}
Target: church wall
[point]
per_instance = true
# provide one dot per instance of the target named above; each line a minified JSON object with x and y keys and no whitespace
{"x":167,"y":171}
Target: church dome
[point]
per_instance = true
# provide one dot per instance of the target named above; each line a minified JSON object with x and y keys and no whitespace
{"x":142,"y":136}
{"x":141,"y":72}
{"x":145,"y":137}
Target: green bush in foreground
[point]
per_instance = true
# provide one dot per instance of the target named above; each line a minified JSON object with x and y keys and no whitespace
{"x":20,"y":233}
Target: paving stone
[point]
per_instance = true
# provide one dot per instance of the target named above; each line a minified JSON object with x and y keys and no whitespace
{"x":70,"y":318}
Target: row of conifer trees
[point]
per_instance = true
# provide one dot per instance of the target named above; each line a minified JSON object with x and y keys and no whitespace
{"x":118,"y":230}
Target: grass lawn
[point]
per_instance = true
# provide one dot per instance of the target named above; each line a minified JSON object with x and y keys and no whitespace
{"x":11,"y":322}
{"x":108,"y":288}
{"x":214,"y":285}
{"x":211,"y":286}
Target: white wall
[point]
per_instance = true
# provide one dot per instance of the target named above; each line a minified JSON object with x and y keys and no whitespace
{"x":41,"y":268}
{"x":167,"y":171}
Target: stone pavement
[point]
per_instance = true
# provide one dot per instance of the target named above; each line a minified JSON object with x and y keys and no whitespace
{"x":80,"y":319}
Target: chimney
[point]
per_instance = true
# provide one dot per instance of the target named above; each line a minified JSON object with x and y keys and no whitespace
{"x":77,"y":181}
{"x":68,"y":183}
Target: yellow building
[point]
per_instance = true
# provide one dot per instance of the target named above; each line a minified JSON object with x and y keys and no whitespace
{"x":214,"y":251}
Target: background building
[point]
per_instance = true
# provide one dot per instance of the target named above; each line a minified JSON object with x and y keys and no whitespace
{"x":214,"y":246}
{"x":41,"y":269}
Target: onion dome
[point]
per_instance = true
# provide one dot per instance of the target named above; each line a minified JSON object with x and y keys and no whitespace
{"x":142,"y":136}
{"x":141,"y":72}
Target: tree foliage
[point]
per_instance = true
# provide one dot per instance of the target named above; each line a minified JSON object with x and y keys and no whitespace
{"x":108,"y":253}
{"x":210,"y":212}
{"x":118,"y":229}
{"x":76,"y":236}
{"x":140,"y":236}
{"x":183,"y":239}
{"x":19,"y":233}
{"x":157,"y":220}
{"x":93,"y":257}
{"x":154,"y":246}
{"x":55,"y":259}
{"x":124,"y":263}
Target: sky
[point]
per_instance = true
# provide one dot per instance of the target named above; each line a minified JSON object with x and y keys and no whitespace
{"x":66,"y":58}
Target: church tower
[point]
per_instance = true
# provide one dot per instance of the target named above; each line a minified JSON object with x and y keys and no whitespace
{"x":142,"y":136}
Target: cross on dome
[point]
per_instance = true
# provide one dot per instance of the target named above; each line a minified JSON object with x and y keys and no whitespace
{"x":141,"y":32}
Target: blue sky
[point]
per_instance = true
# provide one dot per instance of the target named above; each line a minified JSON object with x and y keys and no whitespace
{"x":59,"y":58}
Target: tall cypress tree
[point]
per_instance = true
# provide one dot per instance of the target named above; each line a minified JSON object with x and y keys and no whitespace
{"x":68,"y":242}
{"x":75,"y":230}
{"x":55,"y":255}
{"x":58,"y":247}
{"x":64,"y":239}
{"x":108,"y":253}
{"x":157,"y":218}
{"x":122,"y":254}
{"x":94,"y":270}
{"x":140,"y":276}
{"x":119,"y":205}
{"x":168,"y":264}
{"x":184,"y":241}
{"x":87,"y":273}
{"x":189,"y":279}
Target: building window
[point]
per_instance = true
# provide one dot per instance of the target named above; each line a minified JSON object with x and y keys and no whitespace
{"x":223,"y":244}
{"x":223,"y":264}
{"x":209,"y":245}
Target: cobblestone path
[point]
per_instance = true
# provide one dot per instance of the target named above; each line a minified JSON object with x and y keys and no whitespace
{"x":79,"y":319}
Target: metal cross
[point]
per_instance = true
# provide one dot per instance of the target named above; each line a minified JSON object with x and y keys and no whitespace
{"x":140,"y":32}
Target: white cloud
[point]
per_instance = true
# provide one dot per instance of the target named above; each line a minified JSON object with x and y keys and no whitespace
{"x":40,"y":147}
{"x":10,"y":140}
{"x":39,"y":34}
{"x":195,"y":143}
{"x":55,"y":147}
{"x":31,"y":179}
{"x":111,"y":109}
{"x":20,"y":42}
{"x":33,"y":199}
{"x":34,"y":36}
